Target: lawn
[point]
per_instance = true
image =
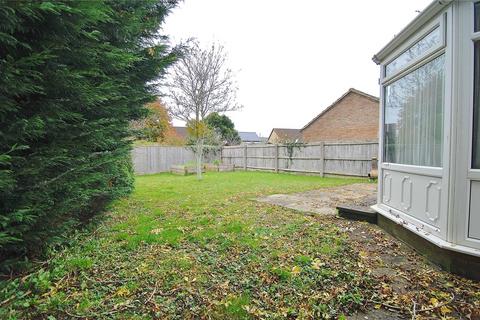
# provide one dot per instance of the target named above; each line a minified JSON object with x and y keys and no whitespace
{"x":179,"y":248}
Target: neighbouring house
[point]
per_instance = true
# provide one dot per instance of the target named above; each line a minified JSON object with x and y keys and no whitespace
{"x":249,"y":137}
{"x":429,"y":159}
{"x":353,"y":117}
{"x":282,"y":135}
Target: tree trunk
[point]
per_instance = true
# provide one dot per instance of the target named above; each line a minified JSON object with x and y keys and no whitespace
{"x":199,"y":156}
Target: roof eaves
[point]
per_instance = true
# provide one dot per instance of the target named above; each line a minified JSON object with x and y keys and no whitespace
{"x":366,"y":95}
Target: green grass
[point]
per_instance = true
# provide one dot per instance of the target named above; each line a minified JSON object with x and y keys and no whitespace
{"x":180,"y":248}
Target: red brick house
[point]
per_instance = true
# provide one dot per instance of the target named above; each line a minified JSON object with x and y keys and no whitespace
{"x":353,"y":117}
{"x":282,"y":135}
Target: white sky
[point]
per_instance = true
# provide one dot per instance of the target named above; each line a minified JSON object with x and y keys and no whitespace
{"x":293,"y":58}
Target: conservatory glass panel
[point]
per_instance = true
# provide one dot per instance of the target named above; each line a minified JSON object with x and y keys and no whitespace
{"x":413,"y":125}
{"x":418,"y":49}
{"x":476,"y":108}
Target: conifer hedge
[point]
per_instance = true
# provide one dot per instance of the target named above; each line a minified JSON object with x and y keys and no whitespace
{"x":72,"y":76}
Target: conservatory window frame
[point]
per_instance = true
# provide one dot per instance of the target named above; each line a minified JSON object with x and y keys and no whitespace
{"x":422,"y":59}
{"x":430,"y":55}
{"x":474,"y":173}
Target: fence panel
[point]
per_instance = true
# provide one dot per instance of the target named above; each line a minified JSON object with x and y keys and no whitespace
{"x":349,"y":158}
{"x":233,"y":155}
{"x":261,"y":157}
{"x":155,"y":159}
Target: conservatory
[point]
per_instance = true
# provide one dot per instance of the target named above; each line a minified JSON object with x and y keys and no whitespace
{"x":429,"y":159}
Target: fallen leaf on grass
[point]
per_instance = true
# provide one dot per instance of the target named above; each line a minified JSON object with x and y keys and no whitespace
{"x":363,"y":254}
{"x":122,"y":292}
{"x":317,"y":264}
{"x":445,"y":310}
{"x":189,"y":280}
{"x":296,"y":270}
{"x":156,"y":231}
{"x":434,"y":301}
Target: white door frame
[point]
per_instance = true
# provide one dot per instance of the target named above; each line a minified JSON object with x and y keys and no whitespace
{"x":463,"y":125}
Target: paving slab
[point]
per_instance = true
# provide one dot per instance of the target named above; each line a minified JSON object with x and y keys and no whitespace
{"x":325,"y":200}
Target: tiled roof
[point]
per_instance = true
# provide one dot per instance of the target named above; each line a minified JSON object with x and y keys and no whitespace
{"x":286,"y":134}
{"x":249,"y":136}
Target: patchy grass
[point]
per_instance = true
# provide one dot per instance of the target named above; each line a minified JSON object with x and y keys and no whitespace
{"x":179,"y":248}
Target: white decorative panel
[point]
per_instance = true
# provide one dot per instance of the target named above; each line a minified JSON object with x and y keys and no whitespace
{"x":406,"y":196}
{"x":474,"y":219}
{"x":433,"y":196}
{"x":415,"y":195}
{"x":387,"y":187}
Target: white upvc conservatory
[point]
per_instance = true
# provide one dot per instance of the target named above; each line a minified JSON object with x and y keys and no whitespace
{"x":429,"y":161}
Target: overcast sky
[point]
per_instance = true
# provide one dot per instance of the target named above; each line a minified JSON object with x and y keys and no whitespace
{"x":293,"y":58}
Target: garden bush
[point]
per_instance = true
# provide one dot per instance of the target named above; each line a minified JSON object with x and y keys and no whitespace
{"x":73,"y":74}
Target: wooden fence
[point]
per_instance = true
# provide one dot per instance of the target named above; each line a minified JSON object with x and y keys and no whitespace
{"x":155,"y":159}
{"x":350,"y":159}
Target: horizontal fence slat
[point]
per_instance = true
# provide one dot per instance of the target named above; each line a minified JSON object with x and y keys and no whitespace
{"x":260,"y":168}
{"x":343,"y":174}
{"x":252,"y":146}
{"x":348,"y":159}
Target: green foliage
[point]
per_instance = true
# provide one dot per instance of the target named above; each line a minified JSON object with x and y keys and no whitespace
{"x":200,"y":134}
{"x":156,"y":126}
{"x":73,"y":75}
{"x":198,"y":130}
{"x":224,"y":127}
{"x":291,"y":146}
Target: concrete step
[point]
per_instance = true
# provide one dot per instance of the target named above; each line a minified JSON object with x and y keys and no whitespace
{"x":357,"y":213}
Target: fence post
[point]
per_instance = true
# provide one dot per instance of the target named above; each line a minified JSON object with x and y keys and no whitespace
{"x":245,"y":158}
{"x":221,"y":155}
{"x":276,"y":158}
{"x":322,"y":158}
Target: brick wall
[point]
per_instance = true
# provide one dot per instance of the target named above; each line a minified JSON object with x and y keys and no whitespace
{"x":274,"y":138}
{"x":353,"y":118}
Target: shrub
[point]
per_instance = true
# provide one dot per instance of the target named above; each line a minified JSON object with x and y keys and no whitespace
{"x":73,"y":75}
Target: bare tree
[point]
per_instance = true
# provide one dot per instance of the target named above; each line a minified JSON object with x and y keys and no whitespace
{"x":199,"y":84}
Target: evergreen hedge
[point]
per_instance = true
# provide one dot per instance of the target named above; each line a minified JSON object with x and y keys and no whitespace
{"x":72,"y":76}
